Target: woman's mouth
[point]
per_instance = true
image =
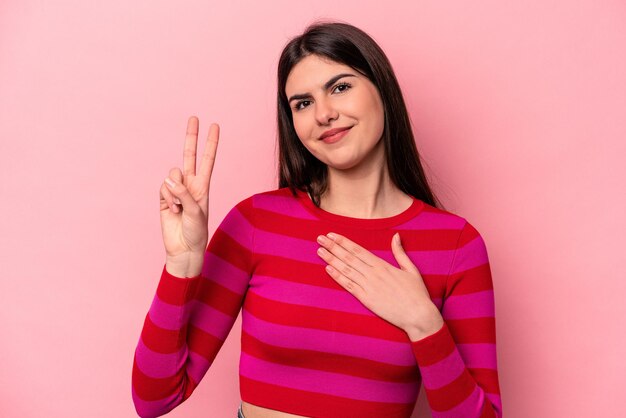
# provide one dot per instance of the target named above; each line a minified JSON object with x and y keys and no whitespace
{"x":336,"y":137}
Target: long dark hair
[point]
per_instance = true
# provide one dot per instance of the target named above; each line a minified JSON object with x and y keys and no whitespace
{"x":348,"y":45}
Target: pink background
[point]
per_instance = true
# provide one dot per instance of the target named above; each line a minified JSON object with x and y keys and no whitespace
{"x":519,"y":109}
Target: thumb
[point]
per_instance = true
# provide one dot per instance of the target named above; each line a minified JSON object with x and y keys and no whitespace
{"x":398,"y":251}
{"x":180,"y":193}
{"x":177,"y":176}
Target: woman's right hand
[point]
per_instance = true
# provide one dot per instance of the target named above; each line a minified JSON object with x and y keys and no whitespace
{"x":185,"y":205}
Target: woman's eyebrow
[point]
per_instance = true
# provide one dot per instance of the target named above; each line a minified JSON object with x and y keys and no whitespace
{"x":326,"y":86}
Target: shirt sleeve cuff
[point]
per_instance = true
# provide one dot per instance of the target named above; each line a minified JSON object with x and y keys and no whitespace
{"x":177,"y":290}
{"x":434,"y":348}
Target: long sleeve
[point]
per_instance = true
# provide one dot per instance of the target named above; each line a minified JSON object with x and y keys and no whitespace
{"x":458,"y":363}
{"x":190,"y":318}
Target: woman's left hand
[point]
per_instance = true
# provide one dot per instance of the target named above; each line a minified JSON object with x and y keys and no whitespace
{"x":397,"y":295}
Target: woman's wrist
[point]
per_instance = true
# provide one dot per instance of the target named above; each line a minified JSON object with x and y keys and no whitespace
{"x":427,"y":327}
{"x":185,"y":265}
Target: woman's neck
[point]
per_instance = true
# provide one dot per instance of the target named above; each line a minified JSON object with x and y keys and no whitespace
{"x":365,"y":195}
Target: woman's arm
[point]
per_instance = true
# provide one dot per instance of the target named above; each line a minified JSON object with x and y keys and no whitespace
{"x":458,"y":363}
{"x":190,"y":318}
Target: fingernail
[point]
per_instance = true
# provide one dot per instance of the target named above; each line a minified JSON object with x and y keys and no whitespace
{"x":170,"y":182}
{"x":177,"y":200}
{"x":331,"y":235}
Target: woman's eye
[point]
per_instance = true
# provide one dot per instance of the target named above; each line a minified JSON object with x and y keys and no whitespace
{"x":339,"y":87}
{"x":298,"y":107}
{"x":346,"y":85}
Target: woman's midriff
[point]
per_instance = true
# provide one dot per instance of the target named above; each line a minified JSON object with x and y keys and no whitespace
{"x":255,"y":411}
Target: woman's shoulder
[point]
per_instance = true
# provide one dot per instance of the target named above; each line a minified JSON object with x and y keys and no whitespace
{"x":268,"y":199}
{"x":444,"y":215}
{"x":447,"y":219}
{"x":268,"y":194}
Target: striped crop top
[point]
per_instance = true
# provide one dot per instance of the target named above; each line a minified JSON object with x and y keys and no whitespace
{"x":308,"y":346}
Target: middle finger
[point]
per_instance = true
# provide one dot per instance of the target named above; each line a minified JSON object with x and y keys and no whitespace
{"x":210,"y":150}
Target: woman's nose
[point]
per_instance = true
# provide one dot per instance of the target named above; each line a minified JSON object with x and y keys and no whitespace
{"x":325,"y":112}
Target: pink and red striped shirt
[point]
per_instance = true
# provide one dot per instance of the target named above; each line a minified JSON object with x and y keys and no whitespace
{"x":308,"y":346}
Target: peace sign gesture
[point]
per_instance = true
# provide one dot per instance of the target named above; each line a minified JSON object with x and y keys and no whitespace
{"x":184,"y":204}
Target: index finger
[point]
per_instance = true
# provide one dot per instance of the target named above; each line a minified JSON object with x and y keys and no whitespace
{"x":362,"y":253}
{"x":191,"y":145}
{"x":210,"y":149}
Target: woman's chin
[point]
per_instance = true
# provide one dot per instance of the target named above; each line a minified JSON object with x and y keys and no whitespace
{"x":338,"y":164}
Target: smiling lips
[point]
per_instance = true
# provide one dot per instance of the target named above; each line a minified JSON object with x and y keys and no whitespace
{"x":333,"y":135}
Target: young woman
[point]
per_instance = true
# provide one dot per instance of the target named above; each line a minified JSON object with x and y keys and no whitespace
{"x":354,"y":285}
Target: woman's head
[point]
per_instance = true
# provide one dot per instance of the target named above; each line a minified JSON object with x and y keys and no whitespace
{"x":379,"y":117}
{"x":324,"y":96}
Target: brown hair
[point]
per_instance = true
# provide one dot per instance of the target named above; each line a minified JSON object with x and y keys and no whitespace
{"x":348,"y":45}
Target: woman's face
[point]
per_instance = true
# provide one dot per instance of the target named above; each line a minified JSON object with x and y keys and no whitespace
{"x":324,"y":95}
